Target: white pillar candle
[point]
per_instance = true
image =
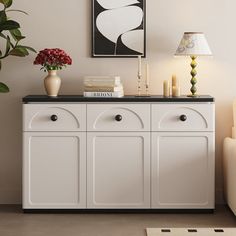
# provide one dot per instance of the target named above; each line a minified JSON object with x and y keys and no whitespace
{"x":166,"y":88}
{"x":175,"y":91}
{"x":174,"y":80}
{"x":147,"y":75}
{"x":139,"y":66}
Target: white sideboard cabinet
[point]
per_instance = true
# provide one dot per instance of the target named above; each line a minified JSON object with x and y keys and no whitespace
{"x":118,"y":153}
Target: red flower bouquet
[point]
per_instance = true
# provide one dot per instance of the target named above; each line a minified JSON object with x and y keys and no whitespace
{"x":52,"y":59}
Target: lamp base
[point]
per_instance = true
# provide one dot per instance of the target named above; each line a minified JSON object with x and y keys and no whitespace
{"x":193,"y":96}
{"x":193,"y":74}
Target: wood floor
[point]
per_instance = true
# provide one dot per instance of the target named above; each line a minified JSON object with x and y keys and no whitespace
{"x":14,"y":223}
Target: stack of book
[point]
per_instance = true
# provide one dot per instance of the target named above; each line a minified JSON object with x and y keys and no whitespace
{"x":103,"y":86}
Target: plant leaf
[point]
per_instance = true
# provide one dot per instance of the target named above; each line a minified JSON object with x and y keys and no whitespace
{"x":3,"y":16}
{"x":6,"y":3}
{"x":28,"y":48}
{"x":8,"y":45}
{"x":16,"y":34}
{"x":19,"y":52}
{"x":4,"y":88}
{"x":3,"y":36}
{"x":9,"y":25}
{"x":23,"y":49}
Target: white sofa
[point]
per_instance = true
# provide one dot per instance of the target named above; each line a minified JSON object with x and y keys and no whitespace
{"x":229,"y":165}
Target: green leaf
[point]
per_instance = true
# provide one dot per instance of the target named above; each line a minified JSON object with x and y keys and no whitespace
{"x":8,"y":45}
{"x":9,"y":3}
{"x":23,"y":49}
{"x":3,"y":36}
{"x":6,"y":3}
{"x":16,"y":34}
{"x":28,"y":48}
{"x":19,"y":52}
{"x":3,"y":16}
{"x":4,"y":88}
{"x":9,"y":25}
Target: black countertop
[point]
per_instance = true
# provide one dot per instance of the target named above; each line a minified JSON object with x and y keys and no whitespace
{"x":130,"y":98}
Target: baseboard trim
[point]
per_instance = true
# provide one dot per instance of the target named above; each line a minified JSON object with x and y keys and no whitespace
{"x":10,"y":197}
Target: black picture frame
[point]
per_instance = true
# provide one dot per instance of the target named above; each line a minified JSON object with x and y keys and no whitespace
{"x":102,"y":47}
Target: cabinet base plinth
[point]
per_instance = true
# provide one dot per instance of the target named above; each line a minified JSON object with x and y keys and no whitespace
{"x":121,"y":211}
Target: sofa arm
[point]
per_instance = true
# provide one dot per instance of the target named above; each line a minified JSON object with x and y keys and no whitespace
{"x":229,"y":169}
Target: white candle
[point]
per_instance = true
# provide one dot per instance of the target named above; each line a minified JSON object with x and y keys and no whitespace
{"x":166,"y":88}
{"x":147,"y":75}
{"x":174,"y":81}
{"x":139,"y":66}
{"x":176,"y":91}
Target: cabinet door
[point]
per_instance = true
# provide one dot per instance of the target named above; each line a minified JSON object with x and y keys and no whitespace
{"x":183,"y":170}
{"x":118,"y":170}
{"x":54,"y":170}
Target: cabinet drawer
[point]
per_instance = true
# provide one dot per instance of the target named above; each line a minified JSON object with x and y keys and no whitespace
{"x":118,"y":117}
{"x":54,"y":117}
{"x":183,"y":117}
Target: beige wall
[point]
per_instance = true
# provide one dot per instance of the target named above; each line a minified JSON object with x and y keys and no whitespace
{"x":66,"y":24}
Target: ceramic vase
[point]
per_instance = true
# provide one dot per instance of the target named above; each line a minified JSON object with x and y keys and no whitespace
{"x":52,"y":83}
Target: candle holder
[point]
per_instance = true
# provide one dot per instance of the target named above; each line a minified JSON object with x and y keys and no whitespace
{"x":140,"y":89}
{"x":139,"y":77}
{"x":147,"y":91}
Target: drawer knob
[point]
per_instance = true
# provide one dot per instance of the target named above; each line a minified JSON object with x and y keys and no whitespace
{"x":118,"y":117}
{"x":54,"y":118}
{"x":183,"y":117}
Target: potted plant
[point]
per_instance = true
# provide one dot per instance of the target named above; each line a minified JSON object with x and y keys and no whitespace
{"x":11,"y":36}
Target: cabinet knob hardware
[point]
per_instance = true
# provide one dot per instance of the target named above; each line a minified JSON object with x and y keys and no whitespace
{"x":183,"y":117}
{"x":54,"y":118}
{"x":118,"y":117}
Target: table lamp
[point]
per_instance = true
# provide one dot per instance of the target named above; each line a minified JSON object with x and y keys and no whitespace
{"x":193,"y":44}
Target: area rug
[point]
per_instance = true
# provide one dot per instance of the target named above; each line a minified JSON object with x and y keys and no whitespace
{"x":191,"y":231}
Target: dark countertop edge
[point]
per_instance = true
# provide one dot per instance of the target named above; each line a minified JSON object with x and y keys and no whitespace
{"x":131,"y":98}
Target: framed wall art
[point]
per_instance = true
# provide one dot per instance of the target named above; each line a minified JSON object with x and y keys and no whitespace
{"x":118,"y":28}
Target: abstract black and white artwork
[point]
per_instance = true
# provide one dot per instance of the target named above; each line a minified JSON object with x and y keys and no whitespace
{"x":118,"y":28}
